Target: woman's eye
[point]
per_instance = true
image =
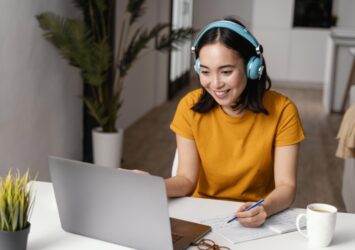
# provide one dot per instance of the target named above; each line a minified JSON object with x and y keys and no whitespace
{"x":226,"y":72}
{"x":204,"y":72}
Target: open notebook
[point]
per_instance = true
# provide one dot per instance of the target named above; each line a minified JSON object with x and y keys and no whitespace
{"x":280,"y":223}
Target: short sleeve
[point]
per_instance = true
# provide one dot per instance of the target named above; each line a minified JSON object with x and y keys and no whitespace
{"x":182,"y":121}
{"x":289,"y":129}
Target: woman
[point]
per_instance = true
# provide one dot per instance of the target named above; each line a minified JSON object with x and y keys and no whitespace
{"x":236,"y":138}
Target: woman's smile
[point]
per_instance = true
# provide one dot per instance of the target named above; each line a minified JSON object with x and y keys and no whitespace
{"x":221,"y":94}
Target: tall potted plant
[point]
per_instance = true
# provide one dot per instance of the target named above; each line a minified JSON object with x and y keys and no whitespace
{"x":15,"y":205}
{"x":88,"y":44}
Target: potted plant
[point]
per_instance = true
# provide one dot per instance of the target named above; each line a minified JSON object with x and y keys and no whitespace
{"x":15,"y":205}
{"x":88,"y":44}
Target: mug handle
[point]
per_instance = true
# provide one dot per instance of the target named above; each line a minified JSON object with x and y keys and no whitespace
{"x":299,"y":217}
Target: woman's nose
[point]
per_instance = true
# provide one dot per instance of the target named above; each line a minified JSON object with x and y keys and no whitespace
{"x":216,"y":82}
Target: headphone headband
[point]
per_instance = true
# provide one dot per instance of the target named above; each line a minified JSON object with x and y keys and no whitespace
{"x":231,"y":26}
{"x":254,"y":67}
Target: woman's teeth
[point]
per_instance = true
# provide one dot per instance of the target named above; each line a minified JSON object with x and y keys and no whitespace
{"x":221,"y":93}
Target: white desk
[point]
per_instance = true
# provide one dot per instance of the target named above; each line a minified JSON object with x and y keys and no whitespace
{"x":47,"y":234}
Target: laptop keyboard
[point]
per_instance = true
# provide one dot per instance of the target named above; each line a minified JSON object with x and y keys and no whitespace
{"x":176,"y":237}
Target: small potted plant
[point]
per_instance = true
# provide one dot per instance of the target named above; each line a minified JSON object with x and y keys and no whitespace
{"x":15,"y":205}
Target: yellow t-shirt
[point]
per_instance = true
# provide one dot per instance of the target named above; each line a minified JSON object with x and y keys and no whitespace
{"x":237,"y":153}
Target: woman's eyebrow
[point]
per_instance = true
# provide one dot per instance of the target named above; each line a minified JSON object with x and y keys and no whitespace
{"x":226,"y":66}
{"x":220,"y":67}
{"x":203,"y":66}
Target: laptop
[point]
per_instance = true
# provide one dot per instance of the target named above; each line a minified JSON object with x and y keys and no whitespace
{"x":118,"y":206}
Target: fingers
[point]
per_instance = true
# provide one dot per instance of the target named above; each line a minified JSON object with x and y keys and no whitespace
{"x":252,"y":218}
{"x":244,"y":206}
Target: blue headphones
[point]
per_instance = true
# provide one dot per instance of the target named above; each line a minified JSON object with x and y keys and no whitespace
{"x":254,"y":67}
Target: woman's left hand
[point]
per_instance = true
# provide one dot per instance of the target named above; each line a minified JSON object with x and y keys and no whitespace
{"x":254,"y":217}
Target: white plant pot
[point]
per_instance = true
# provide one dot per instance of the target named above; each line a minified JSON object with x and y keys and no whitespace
{"x":107,"y":148}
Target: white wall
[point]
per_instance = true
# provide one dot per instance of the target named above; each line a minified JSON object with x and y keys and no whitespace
{"x":146,"y":84}
{"x":206,"y":11}
{"x":345,"y":13}
{"x":272,"y":29}
{"x":306,"y":56}
{"x":40,"y":113}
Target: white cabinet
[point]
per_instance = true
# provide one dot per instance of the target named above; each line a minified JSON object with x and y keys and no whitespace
{"x":338,"y":64}
{"x":274,"y":14}
{"x":293,"y":55}
{"x":276,"y":44}
{"x":307,"y":55}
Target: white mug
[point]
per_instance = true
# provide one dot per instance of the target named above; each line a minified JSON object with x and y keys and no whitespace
{"x":321,"y":219}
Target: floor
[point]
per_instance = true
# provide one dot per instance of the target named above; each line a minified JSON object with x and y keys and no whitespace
{"x":150,"y":145}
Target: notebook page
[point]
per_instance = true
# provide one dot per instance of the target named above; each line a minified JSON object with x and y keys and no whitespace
{"x":234,"y":232}
{"x":285,"y":221}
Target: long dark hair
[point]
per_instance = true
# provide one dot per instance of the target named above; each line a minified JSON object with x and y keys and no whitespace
{"x":252,"y":96}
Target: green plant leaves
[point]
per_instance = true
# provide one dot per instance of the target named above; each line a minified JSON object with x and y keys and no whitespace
{"x":141,"y":39}
{"x":88,"y":45}
{"x":15,"y":200}
{"x":76,"y":44}
{"x":171,"y":41}
{"x":103,"y":113}
{"x":135,"y":9}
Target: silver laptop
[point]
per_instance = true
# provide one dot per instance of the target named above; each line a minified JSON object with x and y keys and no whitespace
{"x":118,"y":206}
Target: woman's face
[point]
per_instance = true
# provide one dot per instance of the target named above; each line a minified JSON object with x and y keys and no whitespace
{"x":222,"y":74}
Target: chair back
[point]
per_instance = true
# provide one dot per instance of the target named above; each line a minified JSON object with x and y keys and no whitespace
{"x":175,"y":164}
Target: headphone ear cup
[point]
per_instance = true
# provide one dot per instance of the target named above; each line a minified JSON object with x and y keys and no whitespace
{"x":197,"y":66}
{"x":254,"y":68}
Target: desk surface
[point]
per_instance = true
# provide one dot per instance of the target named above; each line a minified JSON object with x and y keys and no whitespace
{"x":47,"y":234}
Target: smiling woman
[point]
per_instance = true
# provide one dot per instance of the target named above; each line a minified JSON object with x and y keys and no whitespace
{"x":236,"y":138}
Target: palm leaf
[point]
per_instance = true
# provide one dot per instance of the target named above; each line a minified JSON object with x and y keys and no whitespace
{"x":97,"y":110}
{"x":138,"y":42}
{"x":172,"y":40}
{"x":102,"y":5}
{"x":96,"y":69}
{"x":69,"y":36}
{"x":76,"y":44}
{"x":135,"y":9}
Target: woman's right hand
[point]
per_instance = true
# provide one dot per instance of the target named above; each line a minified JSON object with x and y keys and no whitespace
{"x":251,"y":218}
